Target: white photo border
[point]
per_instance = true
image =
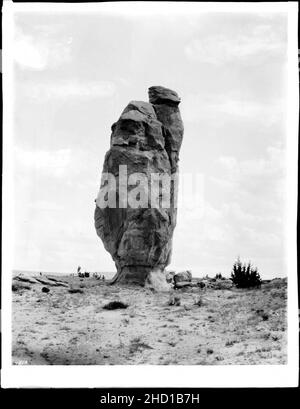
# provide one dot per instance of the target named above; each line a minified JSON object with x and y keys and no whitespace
{"x":150,"y":375}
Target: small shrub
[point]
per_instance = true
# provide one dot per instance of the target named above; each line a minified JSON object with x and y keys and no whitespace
{"x":244,"y":275}
{"x":136,"y":344}
{"x":266,"y":336}
{"x":275,"y":337}
{"x":230,"y":343}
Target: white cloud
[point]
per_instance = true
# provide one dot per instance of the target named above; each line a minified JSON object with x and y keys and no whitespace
{"x":47,"y":90}
{"x":45,"y":206}
{"x":28,"y":55}
{"x":249,"y":45}
{"x":262,"y":239}
{"x":271,"y":166}
{"x":224,"y":232}
{"x":198,"y":107}
{"x":54,"y":163}
{"x":41,"y":51}
{"x":258,"y":184}
{"x":208,"y":224}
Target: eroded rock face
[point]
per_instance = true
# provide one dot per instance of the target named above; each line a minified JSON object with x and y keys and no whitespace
{"x":183,"y":276}
{"x":145,"y":140}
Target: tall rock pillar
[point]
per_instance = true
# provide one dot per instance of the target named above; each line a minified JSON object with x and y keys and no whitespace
{"x":133,"y":216}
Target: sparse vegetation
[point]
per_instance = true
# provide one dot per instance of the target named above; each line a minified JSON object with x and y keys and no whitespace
{"x":245,"y":275}
{"x":230,"y":343}
{"x":136,"y":344}
{"x":225,"y":329}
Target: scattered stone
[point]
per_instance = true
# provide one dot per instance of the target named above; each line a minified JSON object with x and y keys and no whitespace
{"x":61,"y":284}
{"x":183,"y":276}
{"x":216,"y":284}
{"x":56,"y":280}
{"x":75,"y":290}
{"x":170,"y":276}
{"x":25,"y":279}
{"x":114,"y":305}
{"x":174,"y":300}
{"x":221,"y":284}
{"x":51,"y":282}
{"x":19,"y":286}
{"x":264,"y":316}
{"x":14,"y":287}
{"x":42,"y":281}
{"x":199,"y":302}
{"x":156,"y":281}
{"x":182,"y":284}
{"x":137,"y":344}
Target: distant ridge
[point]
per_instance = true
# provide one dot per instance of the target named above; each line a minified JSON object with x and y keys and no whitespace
{"x":29,"y":273}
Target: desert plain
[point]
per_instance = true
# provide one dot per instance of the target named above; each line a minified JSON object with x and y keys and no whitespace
{"x":67,"y":324}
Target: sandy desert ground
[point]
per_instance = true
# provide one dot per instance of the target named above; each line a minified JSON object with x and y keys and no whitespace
{"x":211,"y":326}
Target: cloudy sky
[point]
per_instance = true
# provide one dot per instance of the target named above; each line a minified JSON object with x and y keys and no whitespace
{"x":74,"y":74}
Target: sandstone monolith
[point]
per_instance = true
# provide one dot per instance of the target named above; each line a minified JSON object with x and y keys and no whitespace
{"x":136,"y":229}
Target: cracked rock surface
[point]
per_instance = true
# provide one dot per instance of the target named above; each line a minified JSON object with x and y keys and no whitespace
{"x":145,"y":140}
